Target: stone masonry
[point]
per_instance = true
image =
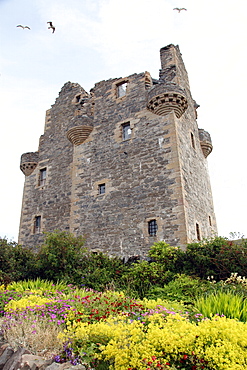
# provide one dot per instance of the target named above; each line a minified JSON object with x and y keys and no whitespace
{"x":124,"y":165}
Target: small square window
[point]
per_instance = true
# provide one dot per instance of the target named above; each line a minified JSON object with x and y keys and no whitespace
{"x":37,"y":225}
{"x":42,"y":177}
{"x":121,"y":89}
{"x":126,"y":131}
{"x":152,"y":227}
{"x":101,"y":188}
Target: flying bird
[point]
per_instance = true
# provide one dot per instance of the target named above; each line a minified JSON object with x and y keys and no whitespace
{"x":51,"y":26}
{"x":19,"y":25}
{"x":179,"y":9}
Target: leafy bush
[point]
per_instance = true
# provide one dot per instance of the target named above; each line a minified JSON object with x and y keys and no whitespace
{"x":216,"y":257}
{"x":165,"y":254}
{"x":182,"y":288}
{"x":59,"y":256}
{"x":64,"y":257}
{"x":16,"y":262}
{"x":142,"y":276}
{"x":101,"y":272}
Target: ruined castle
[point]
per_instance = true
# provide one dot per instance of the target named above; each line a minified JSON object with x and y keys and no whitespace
{"x":124,"y":165}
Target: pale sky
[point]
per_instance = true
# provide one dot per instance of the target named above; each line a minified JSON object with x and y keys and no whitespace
{"x":100,"y":39}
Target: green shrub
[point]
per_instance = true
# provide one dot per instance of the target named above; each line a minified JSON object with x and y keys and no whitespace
{"x":16,"y":262}
{"x":143,"y":276}
{"x":59,"y":257}
{"x":101,"y":272}
{"x":217,"y":257}
{"x":182,"y":288}
{"x":64,"y":257}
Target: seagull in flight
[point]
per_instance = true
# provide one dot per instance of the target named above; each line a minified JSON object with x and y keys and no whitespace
{"x":51,"y":26}
{"x":19,"y":25}
{"x":179,"y":9}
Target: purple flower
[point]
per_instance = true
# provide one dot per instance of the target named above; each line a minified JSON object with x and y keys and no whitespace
{"x":57,"y":358}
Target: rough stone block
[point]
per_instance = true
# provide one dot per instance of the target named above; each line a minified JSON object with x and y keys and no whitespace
{"x":14,"y":362}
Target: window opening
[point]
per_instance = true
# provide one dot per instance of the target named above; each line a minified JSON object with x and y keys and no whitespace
{"x":121,"y":89}
{"x":126,"y":131}
{"x":198,"y":232}
{"x":209,"y":220}
{"x":101,"y":188}
{"x":152,"y":227}
{"x":192,"y":140}
{"x":78,"y":98}
{"x":42,"y":177}
{"x":37,"y":224}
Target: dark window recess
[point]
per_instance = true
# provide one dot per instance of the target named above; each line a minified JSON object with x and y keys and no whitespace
{"x":152,"y":227}
{"x":37,"y":225}
{"x":42,"y":177}
{"x":121,"y":89}
{"x":192,"y":140}
{"x":209,"y":220}
{"x":126,"y":131}
{"x":198,"y":232}
{"x":101,"y":188}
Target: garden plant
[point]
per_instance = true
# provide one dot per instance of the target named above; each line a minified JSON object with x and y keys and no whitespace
{"x":161,"y":313}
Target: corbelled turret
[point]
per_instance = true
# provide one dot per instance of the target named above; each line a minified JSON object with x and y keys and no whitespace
{"x":29,"y":162}
{"x":169,"y":93}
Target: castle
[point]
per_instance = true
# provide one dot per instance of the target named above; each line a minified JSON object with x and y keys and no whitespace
{"x":124,"y":165}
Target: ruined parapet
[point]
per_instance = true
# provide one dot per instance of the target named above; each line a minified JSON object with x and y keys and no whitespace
{"x":168,"y":94}
{"x":205,"y":141}
{"x":29,"y":162}
{"x":172,"y":67}
{"x":79,"y":129}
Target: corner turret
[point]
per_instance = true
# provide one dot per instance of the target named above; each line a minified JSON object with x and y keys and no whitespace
{"x":205,"y":141}
{"x":170,"y":91}
{"x":29,"y":162}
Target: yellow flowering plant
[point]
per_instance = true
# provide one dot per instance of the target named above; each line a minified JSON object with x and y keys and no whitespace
{"x":26,"y":301}
{"x":172,"y":342}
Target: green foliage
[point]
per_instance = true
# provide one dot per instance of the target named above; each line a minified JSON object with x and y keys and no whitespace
{"x":182,"y":288}
{"x":64,"y":257}
{"x":163,"y":252}
{"x":101,"y":272}
{"x":216,"y":257}
{"x":37,"y":284}
{"x":16,"y":262}
{"x":142,"y":276}
{"x":170,"y":257}
{"x":60,"y":256}
{"x":229,"y":304}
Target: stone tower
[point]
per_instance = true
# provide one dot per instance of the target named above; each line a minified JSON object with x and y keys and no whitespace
{"x":124,"y":165}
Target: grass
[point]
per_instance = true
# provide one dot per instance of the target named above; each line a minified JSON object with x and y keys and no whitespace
{"x":227,"y":304}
